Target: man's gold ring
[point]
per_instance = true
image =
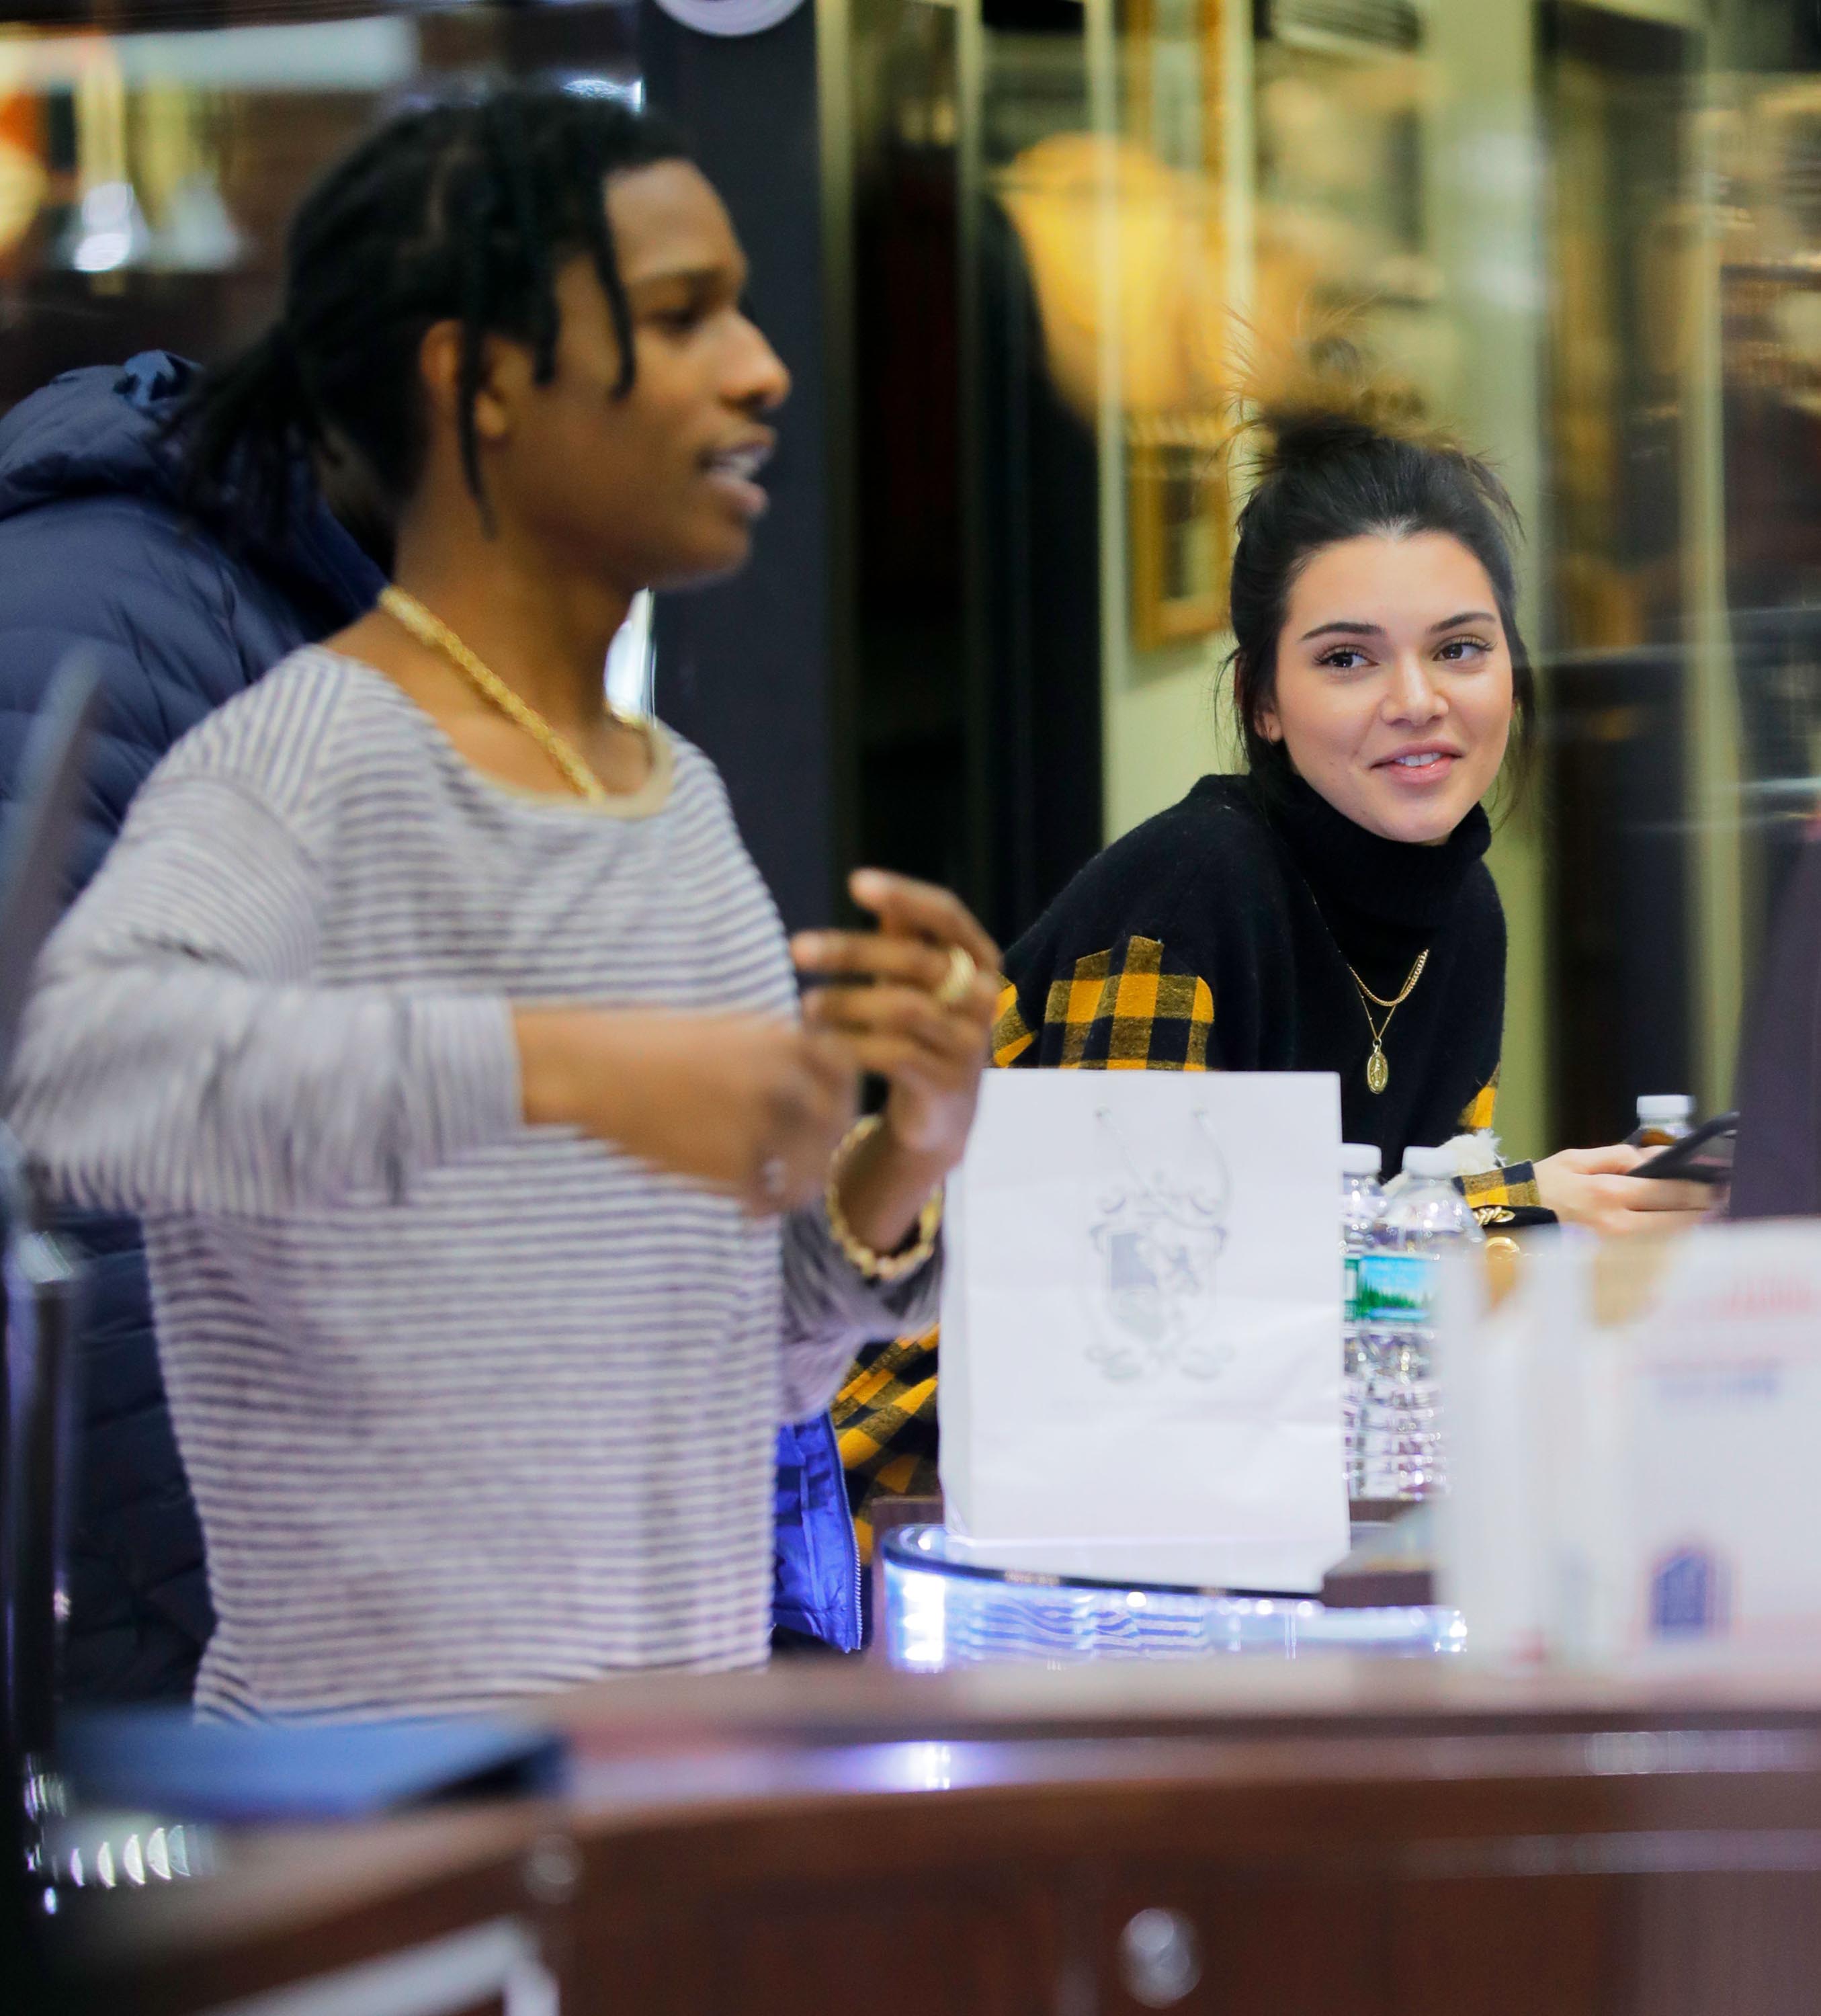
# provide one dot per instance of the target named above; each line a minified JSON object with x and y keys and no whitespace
{"x":958,"y":979}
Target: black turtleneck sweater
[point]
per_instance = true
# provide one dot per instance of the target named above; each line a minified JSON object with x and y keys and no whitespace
{"x":1219,"y":934}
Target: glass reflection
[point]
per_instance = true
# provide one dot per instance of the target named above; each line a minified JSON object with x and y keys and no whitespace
{"x":1585,"y":238}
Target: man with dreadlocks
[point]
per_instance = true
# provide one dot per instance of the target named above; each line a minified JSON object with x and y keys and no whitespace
{"x":432,"y":1020}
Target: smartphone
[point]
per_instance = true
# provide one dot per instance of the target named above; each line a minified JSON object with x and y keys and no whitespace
{"x":1703,"y":1156}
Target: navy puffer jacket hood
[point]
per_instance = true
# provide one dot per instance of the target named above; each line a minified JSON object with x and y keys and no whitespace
{"x":178,"y":615}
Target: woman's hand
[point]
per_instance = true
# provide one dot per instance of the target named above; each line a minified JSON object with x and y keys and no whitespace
{"x":914,"y":1001}
{"x":752,"y":1104}
{"x":1590,"y":1186}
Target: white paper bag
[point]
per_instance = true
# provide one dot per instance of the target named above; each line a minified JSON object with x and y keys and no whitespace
{"x":1141,"y":1328}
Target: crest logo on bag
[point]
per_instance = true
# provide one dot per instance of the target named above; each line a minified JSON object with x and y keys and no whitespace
{"x":1157,"y":1244}
{"x":1688,"y":1595}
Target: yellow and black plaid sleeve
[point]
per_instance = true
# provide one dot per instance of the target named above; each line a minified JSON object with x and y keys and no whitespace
{"x":885,"y":1423}
{"x":1477,"y":1115}
{"x":1507,"y":1195}
{"x":1124,"y":1009}
{"x":1012,"y":1035}
{"x":1499,"y":1195}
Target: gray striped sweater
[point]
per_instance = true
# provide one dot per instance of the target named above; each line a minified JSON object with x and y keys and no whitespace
{"x":471,"y":1409}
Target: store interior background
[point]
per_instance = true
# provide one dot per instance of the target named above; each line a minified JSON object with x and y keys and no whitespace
{"x":1002,"y":245}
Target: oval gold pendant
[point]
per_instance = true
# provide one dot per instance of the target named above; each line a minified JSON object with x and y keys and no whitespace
{"x":1378,"y":1073}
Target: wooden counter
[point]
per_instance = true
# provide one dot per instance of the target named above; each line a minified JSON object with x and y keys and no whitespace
{"x":1338,"y":1836}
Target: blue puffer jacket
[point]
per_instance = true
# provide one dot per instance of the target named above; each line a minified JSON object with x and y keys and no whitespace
{"x":93,"y":551}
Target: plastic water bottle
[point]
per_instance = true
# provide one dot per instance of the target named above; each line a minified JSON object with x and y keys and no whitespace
{"x":1424,"y":1219}
{"x":1664,"y":1119}
{"x":1361,"y":1199}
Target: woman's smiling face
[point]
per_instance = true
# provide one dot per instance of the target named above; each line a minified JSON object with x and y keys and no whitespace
{"x":1393,"y":693}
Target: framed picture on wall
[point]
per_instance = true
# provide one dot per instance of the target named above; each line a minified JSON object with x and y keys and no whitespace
{"x":1179,"y":512}
{"x":1179,"y":498}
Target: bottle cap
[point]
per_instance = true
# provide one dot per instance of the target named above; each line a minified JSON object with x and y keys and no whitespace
{"x":1360,"y":1158}
{"x":1429,"y":1162}
{"x":1660,"y":1106}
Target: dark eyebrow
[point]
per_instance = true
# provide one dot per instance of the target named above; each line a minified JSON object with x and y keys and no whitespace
{"x":1343,"y":630}
{"x":700,"y":278}
{"x":1347,"y":629}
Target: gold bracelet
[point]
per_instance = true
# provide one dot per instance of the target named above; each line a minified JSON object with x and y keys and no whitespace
{"x":876,"y":1266}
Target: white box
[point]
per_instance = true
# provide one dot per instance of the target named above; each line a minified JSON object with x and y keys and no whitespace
{"x":1636,"y":1452}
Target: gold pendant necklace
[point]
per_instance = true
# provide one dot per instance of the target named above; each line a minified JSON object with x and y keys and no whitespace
{"x":410,"y":614}
{"x":1378,"y":1072}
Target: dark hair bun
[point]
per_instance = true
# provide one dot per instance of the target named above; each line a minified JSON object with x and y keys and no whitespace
{"x":1320,"y":401}
{"x":1298,"y":438}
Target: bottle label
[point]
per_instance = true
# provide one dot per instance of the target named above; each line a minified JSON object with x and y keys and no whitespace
{"x":1394,"y":1287}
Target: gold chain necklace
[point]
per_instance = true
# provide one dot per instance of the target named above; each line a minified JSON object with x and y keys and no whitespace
{"x":1378,"y":1073}
{"x":408,"y":611}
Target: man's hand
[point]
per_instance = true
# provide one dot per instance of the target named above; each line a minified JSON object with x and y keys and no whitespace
{"x":913,"y":1002}
{"x":885,"y":999}
{"x":752,"y":1104}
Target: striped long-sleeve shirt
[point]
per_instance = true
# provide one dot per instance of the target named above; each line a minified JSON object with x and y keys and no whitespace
{"x":470,"y":1408}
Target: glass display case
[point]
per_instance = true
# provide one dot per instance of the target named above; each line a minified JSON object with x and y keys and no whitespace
{"x":942,"y":1611}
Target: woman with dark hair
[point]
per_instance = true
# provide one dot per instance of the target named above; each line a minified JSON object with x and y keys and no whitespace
{"x":499,"y":1201}
{"x":1330,"y":909}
